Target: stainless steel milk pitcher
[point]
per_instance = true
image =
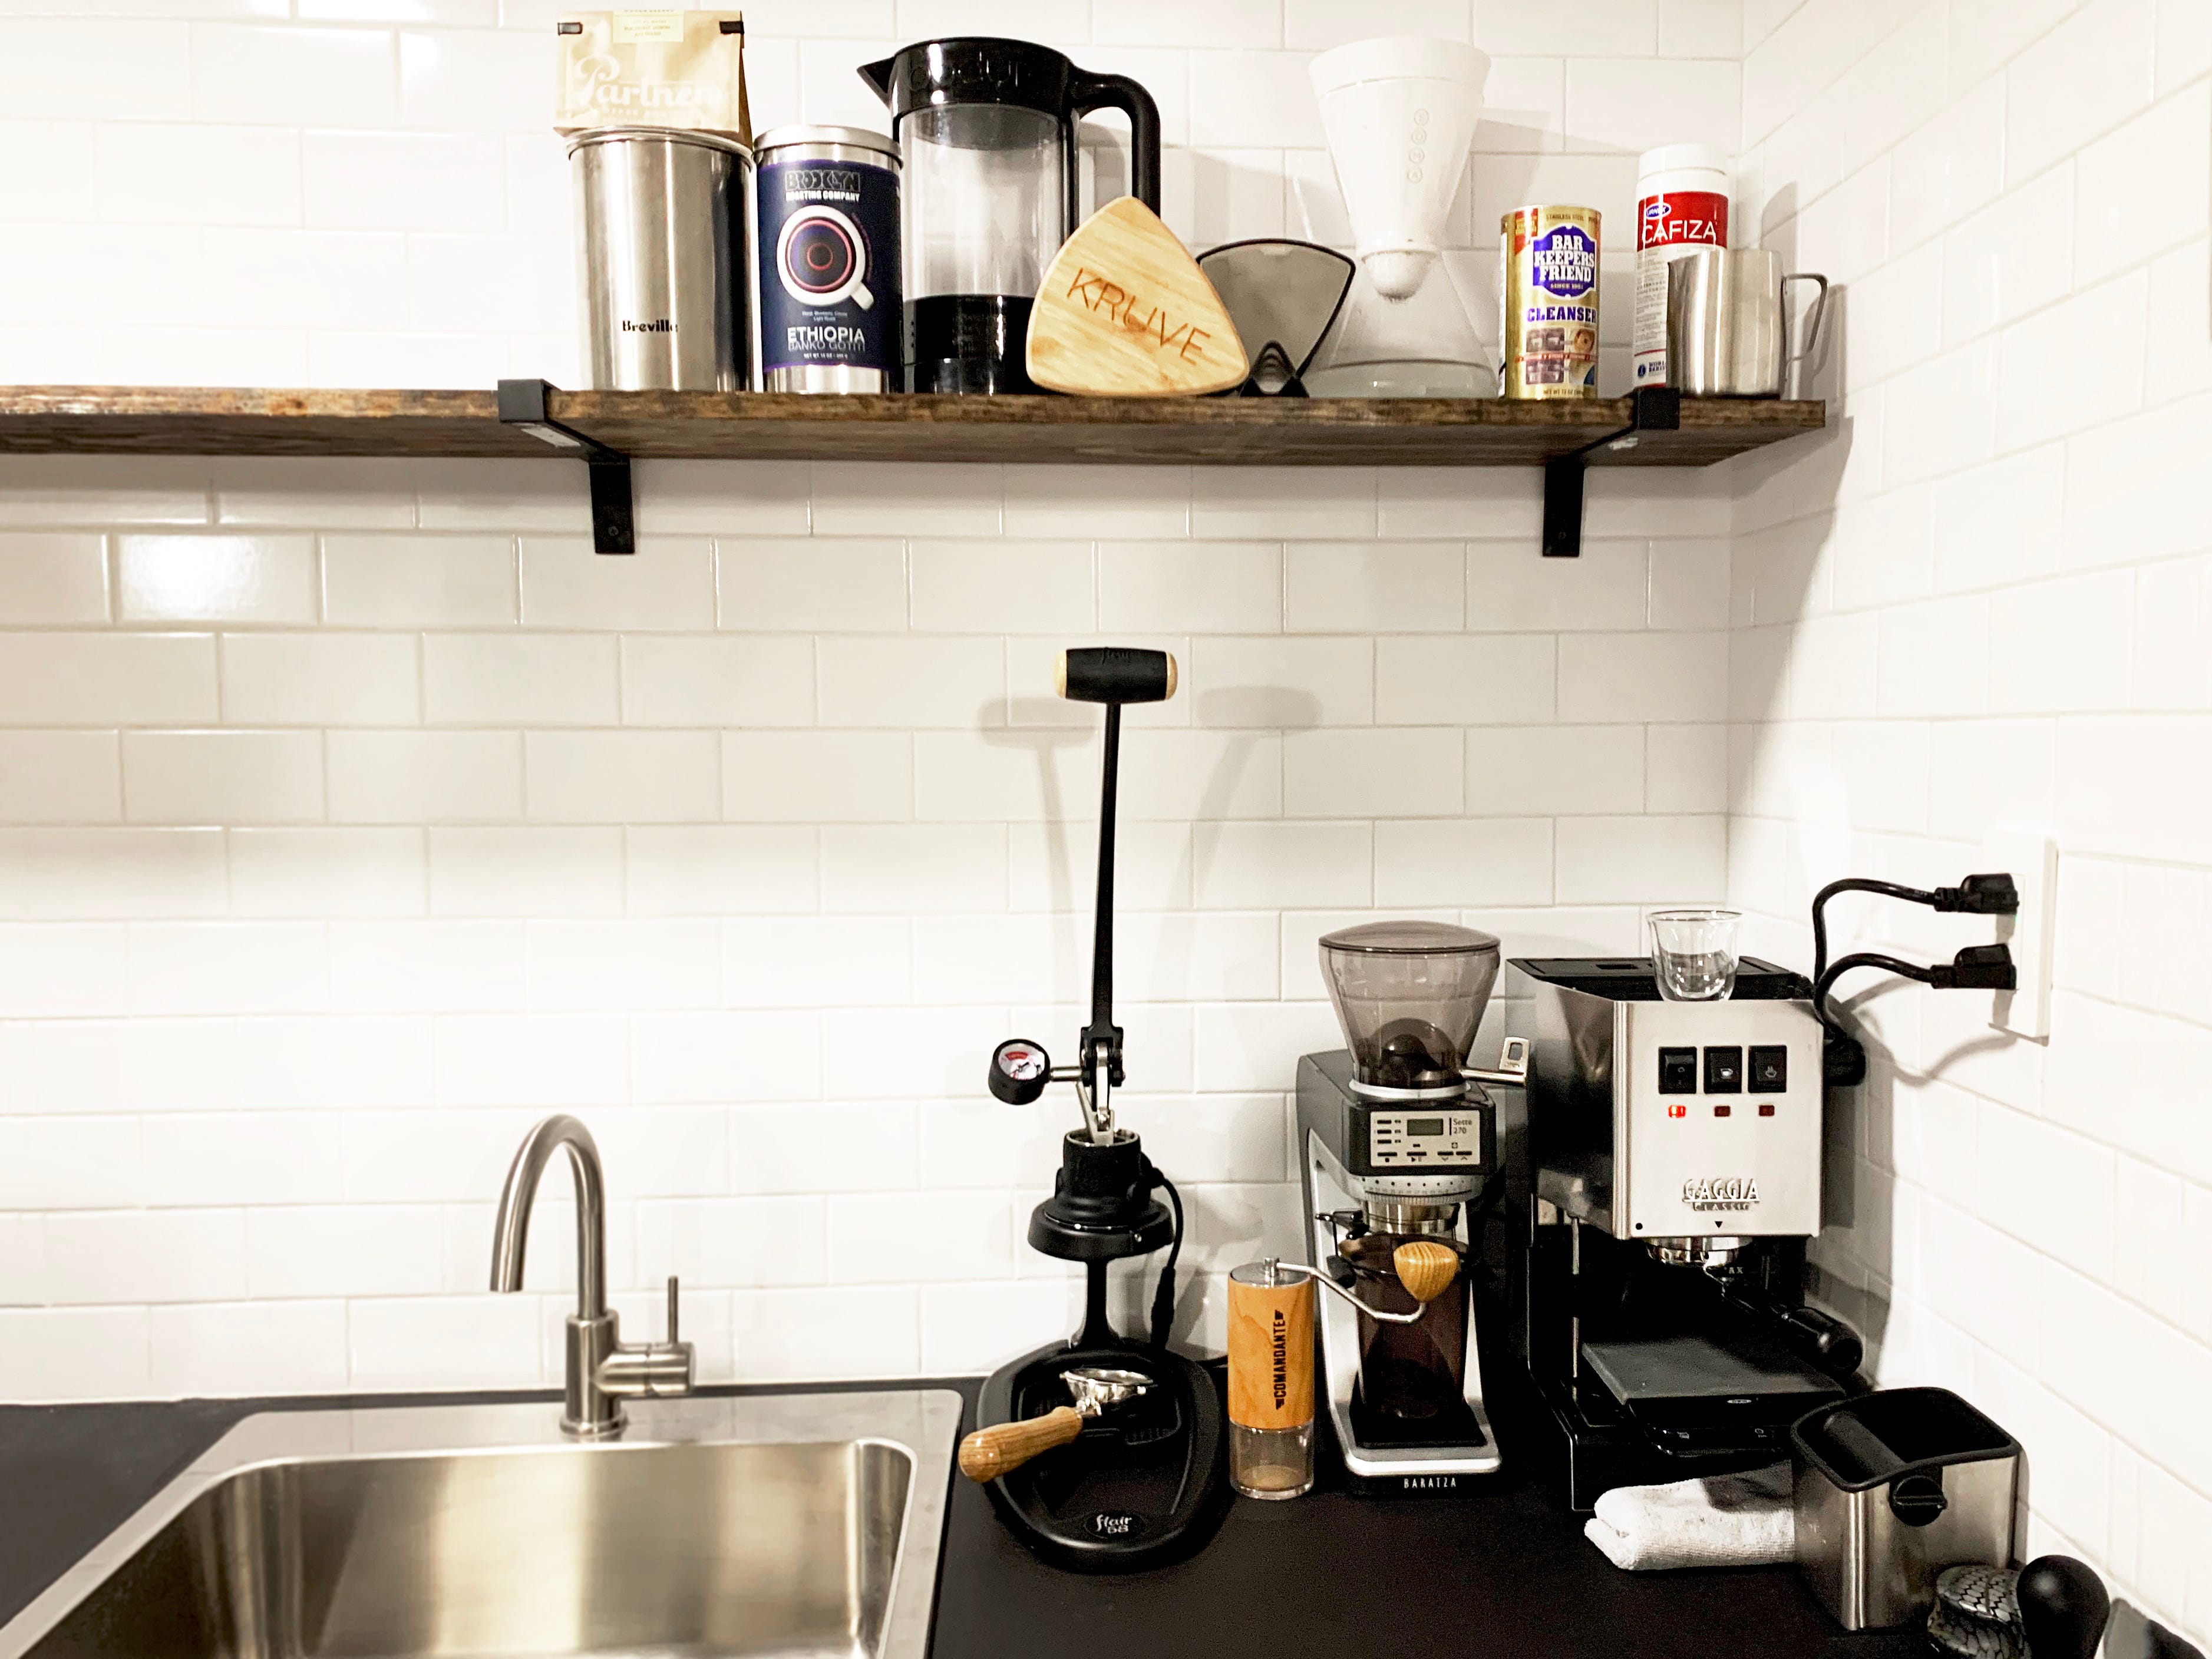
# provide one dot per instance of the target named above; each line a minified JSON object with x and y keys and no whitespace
{"x":1729,"y":327}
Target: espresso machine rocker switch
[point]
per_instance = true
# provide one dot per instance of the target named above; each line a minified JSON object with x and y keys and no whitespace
{"x":1678,"y":1071}
{"x":1769,"y":1068}
{"x":1725,"y":1070}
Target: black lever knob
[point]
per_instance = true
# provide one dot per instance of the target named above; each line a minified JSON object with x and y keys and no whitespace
{"x":1115,"y":674}
{"x":1019,"y":1070}
{"x":2062,"y":1608}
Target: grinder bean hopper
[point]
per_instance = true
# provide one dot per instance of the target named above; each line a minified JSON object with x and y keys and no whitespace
{"x":1143,"y":1482}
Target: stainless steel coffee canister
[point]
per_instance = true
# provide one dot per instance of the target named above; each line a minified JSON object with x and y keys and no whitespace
{"x":666,"y":231}
{"x":1728,"y":329}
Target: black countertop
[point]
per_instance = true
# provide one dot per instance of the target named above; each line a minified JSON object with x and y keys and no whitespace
{"x":1500,"y":1573}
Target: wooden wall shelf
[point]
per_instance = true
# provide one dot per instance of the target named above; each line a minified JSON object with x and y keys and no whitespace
{"x":771,"y":426}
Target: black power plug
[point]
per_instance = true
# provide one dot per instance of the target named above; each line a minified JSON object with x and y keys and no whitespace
{"x":1977,"y":968}
{"x":1980,"y":896}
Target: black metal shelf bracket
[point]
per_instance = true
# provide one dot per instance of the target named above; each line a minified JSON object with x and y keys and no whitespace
{"x":1650,"y":408}
{"x":613,"y":522}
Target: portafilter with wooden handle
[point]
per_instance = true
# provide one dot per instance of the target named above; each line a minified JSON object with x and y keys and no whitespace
{"x":987,"y":1454}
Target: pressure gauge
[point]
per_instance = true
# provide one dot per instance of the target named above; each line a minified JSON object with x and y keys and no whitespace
{"x":1019,"y":1070}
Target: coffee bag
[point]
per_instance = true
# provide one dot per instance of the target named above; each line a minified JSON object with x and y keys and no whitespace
{"x":656,"y":68}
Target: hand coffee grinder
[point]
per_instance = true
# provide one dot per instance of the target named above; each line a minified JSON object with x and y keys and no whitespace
{"x":1398,"y":1140}
{"x":1143,"y":1481}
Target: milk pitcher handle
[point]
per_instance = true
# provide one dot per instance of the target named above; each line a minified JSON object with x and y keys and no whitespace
{"x":1794,"y":368}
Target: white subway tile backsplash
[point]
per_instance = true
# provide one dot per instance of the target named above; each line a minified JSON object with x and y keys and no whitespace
{"x":857,"y":587}
{"x":1371,"y":587}
{"x":2074,"y":366}
{"x":1622,"y":103}
{"x":423,"y":777}
{"x":1496,"y":861}
{"x":60,"y":777}
{"x":906,"y":868}
{"x":668,"y":583}
{"x":419,"y":582}
{"x":971,"y":586}
{"x":1311,"y":502}
{"x":2077,"y":81}
{"x":1608,"y":588}
{"x":1229,"y":587}
{"x":293,"y":77}
{"x":53,"y":873}
{"x":708,"y":869}
{"x":1060,"y":501}
{"x":1604,"y":860}
{"x":547,"y":870}
{"x":2063,"y":645}
{"x":482,"y":1341}
{"x":1666,"y":677}
{"x":73,"y":1353}
{"x":145,"y":1256}
{"x":1556,"y":769}
{"x":222,"y":777}
{"x":691,"y":680}
{"x":620,"y":777}
{"x":1274,"y":867}
{"x":1465,"y":680}
{"x":320,"y":679}
{"x":491,"y":679}
{"x":1413,"y":772}
{"x":104,"y":679}
{"x":53,"y":578}
{"x":855,"y":777}
{"x":912,"y":682}
{"x":1287,"y":683}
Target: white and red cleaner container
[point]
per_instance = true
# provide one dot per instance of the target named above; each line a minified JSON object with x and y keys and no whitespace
{"x":1681,"y":203}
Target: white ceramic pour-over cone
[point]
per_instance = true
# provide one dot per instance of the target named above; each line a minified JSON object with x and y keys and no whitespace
{"x":1400,"y":112}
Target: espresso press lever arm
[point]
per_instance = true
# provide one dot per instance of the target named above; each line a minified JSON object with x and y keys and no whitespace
{"x":1114,"y":675}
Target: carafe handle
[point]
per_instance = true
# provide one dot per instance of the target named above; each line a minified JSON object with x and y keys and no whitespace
{"x":1096,"y":92}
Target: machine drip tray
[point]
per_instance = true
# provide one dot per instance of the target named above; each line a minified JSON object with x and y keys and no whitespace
{"x":1692,"y":1397}
{"x":1455,"y":1425}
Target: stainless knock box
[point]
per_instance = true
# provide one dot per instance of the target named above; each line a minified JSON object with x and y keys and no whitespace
{"x":1892,"y":1488}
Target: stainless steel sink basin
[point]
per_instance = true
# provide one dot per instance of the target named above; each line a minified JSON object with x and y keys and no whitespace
{"x":801,"y":1524}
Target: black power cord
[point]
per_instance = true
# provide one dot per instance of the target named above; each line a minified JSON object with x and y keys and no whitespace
{"x":1163,"y":1298}
{"x":1978,"y":967}
{"x":1975,"y":895}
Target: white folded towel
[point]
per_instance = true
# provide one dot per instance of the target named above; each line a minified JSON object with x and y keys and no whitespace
{"x":1724,"y":1521}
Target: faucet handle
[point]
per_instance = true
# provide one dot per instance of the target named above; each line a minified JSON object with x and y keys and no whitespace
{"x":659,"y":1370}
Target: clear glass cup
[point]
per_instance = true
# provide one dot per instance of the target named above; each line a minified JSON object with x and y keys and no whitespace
{"x":1694,"y":952}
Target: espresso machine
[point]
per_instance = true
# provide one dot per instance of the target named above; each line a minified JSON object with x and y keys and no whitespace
{"x":1398,"y":1140}
{"x":1675,"y":1151}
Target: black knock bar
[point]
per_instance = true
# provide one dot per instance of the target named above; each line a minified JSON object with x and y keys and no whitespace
{"x":614,"y":522}
{"x":1650,"y":408}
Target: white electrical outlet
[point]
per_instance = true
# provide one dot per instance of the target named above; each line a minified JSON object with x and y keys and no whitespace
{"x":2032,"y":862}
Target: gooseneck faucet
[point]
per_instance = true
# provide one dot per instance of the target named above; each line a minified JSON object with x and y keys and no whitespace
{"x":602,"y":1369}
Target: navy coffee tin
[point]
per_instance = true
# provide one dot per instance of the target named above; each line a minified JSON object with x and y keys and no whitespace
{"x":828,"y":251}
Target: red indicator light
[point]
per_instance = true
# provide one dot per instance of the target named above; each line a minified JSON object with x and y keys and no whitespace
{"x":1720,"y":1111}
{"x":1766,"y":1109}
{"x":1678,"y":1110}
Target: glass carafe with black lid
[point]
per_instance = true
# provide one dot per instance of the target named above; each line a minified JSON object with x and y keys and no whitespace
{"x":987,"y":136}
